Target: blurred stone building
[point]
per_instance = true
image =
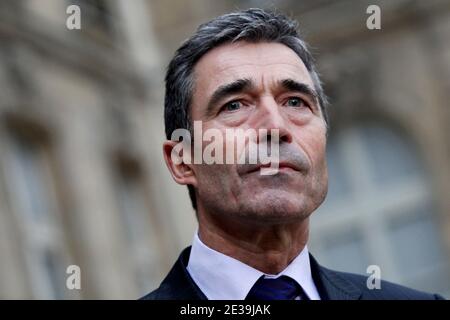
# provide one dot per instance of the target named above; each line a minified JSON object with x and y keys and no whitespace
{"x":82,"y":179}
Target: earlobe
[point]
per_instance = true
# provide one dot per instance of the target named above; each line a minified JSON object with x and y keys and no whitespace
{"x":181,"y":171}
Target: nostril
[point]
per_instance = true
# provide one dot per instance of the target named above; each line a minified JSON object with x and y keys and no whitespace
{"x":286,"y":138}
{"x":282,"y":136}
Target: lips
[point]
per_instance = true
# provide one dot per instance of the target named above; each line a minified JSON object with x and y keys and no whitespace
{"x":281,"y":166}
{"x":289,"y":166}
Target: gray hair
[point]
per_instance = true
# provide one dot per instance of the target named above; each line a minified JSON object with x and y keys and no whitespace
{"x":252,"y":25}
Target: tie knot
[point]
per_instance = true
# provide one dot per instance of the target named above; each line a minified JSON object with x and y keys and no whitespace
{"x":281,"y":288}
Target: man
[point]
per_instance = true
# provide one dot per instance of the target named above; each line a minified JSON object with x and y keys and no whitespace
{"x":251,"y":70}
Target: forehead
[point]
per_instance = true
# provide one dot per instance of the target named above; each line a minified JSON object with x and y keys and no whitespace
{"x":261,"y":62}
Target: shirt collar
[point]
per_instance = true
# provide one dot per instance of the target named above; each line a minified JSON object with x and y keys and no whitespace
{"x":211,"y":270}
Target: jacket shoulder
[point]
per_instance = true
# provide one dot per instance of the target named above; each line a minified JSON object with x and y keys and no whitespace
{"x":163,"y":292}
{"x":151,"y":296}
{"x":386,"y":291}
{"x":169,"y":290}
{"x":177,"y":285}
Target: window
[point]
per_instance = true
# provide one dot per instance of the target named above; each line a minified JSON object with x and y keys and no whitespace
{"x":34,"y":202}
{"x":420,"y":255}
{"x":140,"y":229}
{"x":380,"y":211}
{"x":345,"y":251}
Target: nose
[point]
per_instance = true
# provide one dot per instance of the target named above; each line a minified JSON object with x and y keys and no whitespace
{"x":269,"y":117}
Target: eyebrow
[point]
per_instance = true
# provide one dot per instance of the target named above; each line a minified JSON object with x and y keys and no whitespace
{"x":241,"y":85}
{"x":225,"y":90}
{"x":292,"y":85}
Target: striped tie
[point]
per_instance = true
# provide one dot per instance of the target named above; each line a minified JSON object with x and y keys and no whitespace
{"x":281,"y":288}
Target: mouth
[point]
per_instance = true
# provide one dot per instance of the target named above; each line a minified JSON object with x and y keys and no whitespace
{"x":282,"y":167}
{"x":288,"y":166}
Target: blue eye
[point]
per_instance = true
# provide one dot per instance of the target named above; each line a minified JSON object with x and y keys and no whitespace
{"x":295,"y":102}
{"x":232,"y":106}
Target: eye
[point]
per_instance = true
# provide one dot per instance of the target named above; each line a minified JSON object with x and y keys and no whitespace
{"x":295,"y":102}
{"x":232,"y":106}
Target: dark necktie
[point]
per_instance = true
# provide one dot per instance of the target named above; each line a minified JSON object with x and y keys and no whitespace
{"x":281,"y":288}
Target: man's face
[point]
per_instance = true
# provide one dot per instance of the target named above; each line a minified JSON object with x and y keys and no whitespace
{"x":270,"y":89}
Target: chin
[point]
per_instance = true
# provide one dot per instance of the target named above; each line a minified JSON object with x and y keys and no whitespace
{"x":275,"y":208}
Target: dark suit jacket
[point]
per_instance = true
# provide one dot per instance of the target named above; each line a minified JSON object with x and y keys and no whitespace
{"x":331,"y":285}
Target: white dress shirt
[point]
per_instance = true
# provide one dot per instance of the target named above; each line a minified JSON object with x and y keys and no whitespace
{"x":221,"y":277}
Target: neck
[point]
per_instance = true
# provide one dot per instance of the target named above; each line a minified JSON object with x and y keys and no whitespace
{"x":268,"y":248}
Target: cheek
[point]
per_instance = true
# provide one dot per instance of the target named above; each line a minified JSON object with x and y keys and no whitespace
{"x":236,"y":146}
{"x":218,"y":186}
{"x":319,"y":169}
{"x":313,"y":143}
{"x":318,"y":153}
{"x":214,"y":178}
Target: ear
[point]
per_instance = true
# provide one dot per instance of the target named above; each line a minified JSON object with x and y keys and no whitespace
{"x":181,"y":172}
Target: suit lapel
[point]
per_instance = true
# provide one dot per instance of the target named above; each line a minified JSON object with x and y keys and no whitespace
{"x":178,"y":285}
